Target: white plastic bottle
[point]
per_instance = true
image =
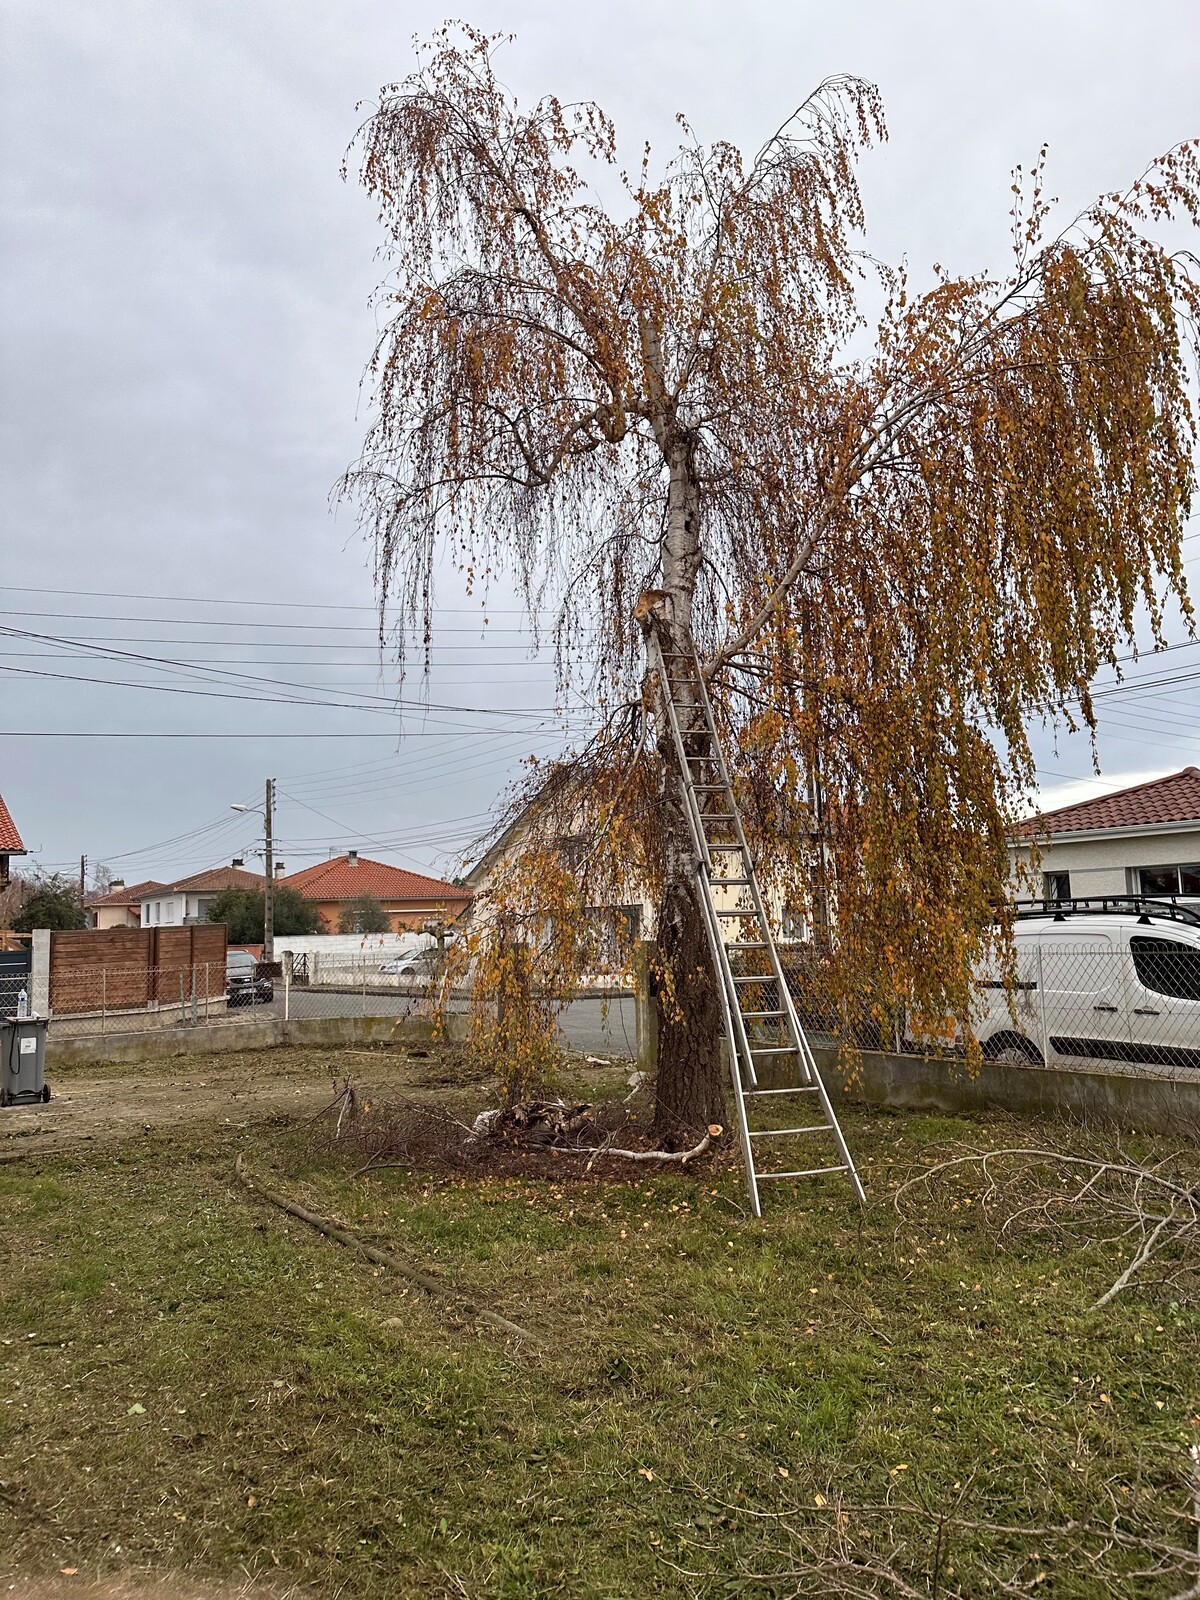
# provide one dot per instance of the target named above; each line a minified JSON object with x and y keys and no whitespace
{"x":22,"y":1005}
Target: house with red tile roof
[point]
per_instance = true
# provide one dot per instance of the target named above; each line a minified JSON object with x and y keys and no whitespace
{"x":409,"y":898}
{"x":10,"y":842}
{"x":1140,"y":840}
{"x":121,"y":906}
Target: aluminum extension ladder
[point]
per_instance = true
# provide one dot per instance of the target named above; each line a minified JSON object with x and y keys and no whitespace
{"x":759,"y":1014}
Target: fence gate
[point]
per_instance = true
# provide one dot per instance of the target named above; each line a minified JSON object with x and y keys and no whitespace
{"x":16,"y":973}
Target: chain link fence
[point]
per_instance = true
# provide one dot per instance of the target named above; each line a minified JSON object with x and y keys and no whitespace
{"x":114,"y":1001}
{"x":1131,"y":1003}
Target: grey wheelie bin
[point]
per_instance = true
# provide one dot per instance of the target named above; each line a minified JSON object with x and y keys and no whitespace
{"x":23,"y":1061}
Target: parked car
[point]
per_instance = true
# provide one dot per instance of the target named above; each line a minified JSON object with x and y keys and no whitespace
{"x":417,"y":964}
{"x":244,"y":984}
{"x":1097,"y":980}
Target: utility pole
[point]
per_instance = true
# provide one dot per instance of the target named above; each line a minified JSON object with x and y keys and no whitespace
{"x":82,"y":879}
{"x":269,"y":889}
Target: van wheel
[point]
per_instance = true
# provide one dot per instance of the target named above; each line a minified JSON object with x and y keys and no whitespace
{"x":1013,"y":1049}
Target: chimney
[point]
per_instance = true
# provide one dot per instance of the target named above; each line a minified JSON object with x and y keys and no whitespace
{"x":238,"y":861}
{"x":280,"y":869}
{"x":117,"y":883}
{"x":352,"y":858}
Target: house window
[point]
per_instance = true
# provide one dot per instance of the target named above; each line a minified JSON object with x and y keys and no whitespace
{"x":1056,"y":886}
{"x":571,"y":848}
{"x":1169,"y":880}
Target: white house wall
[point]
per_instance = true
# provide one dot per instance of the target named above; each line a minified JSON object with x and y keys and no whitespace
{"x":1103,"y":865}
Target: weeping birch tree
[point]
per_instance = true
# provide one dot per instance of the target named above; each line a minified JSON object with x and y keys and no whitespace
{"x":893,"y":555}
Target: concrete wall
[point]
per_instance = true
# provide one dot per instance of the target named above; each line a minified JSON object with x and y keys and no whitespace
{"x":912,"y":1083}
{"x":168,"y":1043}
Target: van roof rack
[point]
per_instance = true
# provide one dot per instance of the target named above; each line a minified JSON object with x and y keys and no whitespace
{"x":1143,"y":906}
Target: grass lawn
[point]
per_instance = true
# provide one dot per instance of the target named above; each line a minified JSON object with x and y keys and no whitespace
{"x":195,"y":1383}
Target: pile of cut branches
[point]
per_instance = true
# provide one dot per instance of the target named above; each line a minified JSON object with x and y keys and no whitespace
{"x":515,"y":1139}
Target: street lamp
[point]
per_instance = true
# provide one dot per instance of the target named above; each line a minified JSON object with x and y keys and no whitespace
{"x":269,"y":890}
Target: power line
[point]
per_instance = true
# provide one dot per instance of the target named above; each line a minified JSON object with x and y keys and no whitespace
{"x":258,"y":661}
{"x":229,"y":622}
{"x":289,"y":605}
{"x":91,"y":733}
{"x":389,"y":704}
{"x":277,"y":700}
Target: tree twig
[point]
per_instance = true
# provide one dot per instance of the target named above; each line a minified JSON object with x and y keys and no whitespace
{"x":383,"y":1258}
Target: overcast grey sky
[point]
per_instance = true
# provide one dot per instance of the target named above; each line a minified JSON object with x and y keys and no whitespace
{"x":185,"y":321}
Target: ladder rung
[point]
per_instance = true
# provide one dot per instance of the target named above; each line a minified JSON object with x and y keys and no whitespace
{"x":778,"y":1133}
{"x":747,"y":945}
{"x":719,"y":816}
{"x":798,"y":1088}
{"x":759,"y":1016}
{"x":757,"y":977}
{"x":772,"y":1050}
{"x":710,"y":788}
{"x":730,"y":883}
{"x":745,"y":911}
{"x":809,"y":1172}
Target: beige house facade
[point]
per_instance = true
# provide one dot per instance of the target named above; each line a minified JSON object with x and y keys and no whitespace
{"x":1141,"y":840}
{"x":121,"y":907}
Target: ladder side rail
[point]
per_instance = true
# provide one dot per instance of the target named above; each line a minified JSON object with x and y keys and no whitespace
{"x":731,"y":1035}
{"x":698,"y":839}
{"x":799,"y":1038}
{"x":739,"y":1041}
{"x":840,"y":1138}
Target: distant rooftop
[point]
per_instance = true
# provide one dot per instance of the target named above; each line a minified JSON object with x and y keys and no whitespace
{"x":10,"y":839}
{"x":123,"y":896}
{"x":347,"y":879}
{"x":1175,"y":798}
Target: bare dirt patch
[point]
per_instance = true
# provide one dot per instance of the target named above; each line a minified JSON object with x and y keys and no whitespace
{"x":236,"y":1089}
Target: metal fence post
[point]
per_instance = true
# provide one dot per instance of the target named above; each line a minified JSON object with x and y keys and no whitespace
{"x":1041,"y":985}
{"x":103,"y":999}
{"x":287,"y":986}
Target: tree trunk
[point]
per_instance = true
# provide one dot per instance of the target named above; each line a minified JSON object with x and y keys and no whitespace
{"x":689,"y":1090}
{"x":689,"y":1086}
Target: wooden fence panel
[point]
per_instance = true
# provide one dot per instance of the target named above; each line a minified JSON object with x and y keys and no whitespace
{"x":118,"y":969}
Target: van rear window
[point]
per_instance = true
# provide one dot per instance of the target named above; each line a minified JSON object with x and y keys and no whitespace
{"x":1167,"y":967}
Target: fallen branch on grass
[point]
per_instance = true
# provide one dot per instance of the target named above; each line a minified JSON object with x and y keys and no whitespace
{"x":905,"y":1551}
{"x":714,"y":1131}
{"x":1114,"y":1199}
{"x":383,"y":1258}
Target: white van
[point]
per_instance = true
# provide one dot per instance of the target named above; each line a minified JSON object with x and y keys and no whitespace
{"x":1097,"y":980}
